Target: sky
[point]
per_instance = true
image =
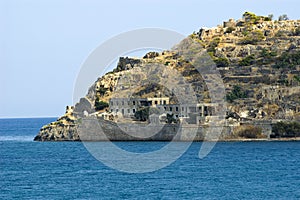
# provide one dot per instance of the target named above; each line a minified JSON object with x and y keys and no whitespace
{"x":43,"y":44}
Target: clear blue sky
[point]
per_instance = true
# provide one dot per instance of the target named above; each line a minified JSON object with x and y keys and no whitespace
{"x":43,"y":43}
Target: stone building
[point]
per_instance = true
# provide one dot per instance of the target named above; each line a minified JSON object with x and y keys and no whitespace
{"x":185,"y":110}
{"x":277,"y":93}
{"x":128,"y":106}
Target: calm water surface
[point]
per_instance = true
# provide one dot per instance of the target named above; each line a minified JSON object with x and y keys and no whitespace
{"x":66,"y":170}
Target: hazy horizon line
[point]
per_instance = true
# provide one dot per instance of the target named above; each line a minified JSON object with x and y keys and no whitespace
{"x":27,"y":117}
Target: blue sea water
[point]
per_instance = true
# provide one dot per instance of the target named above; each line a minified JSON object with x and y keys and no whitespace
{"x":66,"y":170}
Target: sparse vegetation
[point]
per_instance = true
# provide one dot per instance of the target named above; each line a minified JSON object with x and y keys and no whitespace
{"x":252,"y":18}
{"x":288,"y":60}
{"x":297,"y":78}
{"x":247,"y":61}
{"x":221,"y":62}
{"x":297,"y":31}
{"x":267,"y":56}
{"x":284,"y":82}
{"x":213,"y":44}
{"x":281,"y":34}
{"x":252,"y":37}
{"x":248,"y":131}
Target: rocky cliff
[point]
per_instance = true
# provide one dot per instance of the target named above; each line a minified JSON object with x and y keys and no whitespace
{"x":259,"y":61}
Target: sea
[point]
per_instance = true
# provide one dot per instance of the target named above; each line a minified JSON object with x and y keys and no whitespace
{"x":66,"y":170}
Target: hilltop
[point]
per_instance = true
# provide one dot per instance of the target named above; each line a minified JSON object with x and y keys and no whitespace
{"x":259,"y":62}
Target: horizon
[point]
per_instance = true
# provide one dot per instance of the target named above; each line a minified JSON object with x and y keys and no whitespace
{"x":44,"y":44}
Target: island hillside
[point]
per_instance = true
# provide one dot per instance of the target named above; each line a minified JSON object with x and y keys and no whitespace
{"x":259,"y":62}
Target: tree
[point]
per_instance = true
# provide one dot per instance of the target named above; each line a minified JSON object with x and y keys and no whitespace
{"x":142,"y":114}
{"x":286,"y":129}
{"x":170,"y":118}
{"x":270,"y":16}
{"x":283,"y":17}
{"x":100,"y":105}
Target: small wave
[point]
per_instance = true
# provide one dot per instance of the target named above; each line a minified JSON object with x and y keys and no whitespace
{"x":17,"y":138}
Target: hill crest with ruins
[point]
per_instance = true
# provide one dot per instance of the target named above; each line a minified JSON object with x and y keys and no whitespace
{"x":258,"y":59}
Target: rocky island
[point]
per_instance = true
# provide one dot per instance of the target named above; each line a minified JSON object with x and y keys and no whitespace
{"x":258,"y":59}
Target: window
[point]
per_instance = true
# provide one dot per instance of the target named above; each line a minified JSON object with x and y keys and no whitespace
{"x":128,"y":111}
{"x":122,"y":103}
{"x":171,"y":108}
{"x":117,"y":110}
{"x":112,"y":103}
{"x":133,"y":110}
{"x":165,"y":102}
{"x":133,"y":103}
{"x":176,"y":109}
{"x":155,"y":102}
{"x":112,"y":110}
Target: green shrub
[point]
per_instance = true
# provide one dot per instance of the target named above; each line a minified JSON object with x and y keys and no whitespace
{"x":267,"y":54}
{"x":236,"y":93}
{"x":102,"y":90}
{"x":286,"y":129}
{"x":251,"y":17}
{"x":247,"y":61}
{"x":297,"y":78}
{"x":170,"y":118}
{"x":222,"y":62}
{"x":283,"y":82}
{"x":230,"y":30}
{"x":100,"y":105}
